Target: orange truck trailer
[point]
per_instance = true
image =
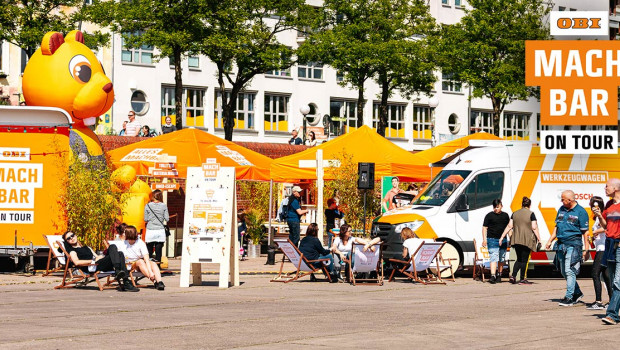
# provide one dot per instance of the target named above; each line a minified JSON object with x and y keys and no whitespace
{"x":34,"y":152}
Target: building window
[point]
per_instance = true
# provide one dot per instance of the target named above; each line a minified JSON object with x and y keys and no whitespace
{"x":243,"y":114}
{"x":276,"y":112}
{"x":450,"y":85}
{"x":481,"y":121}
{"x":139,"y":103}
{"x":193,"y":62}
{"x":279,"y":73}
{"x":310,"y":70}
{"x":422,"y":124}
{"x":458,"y":3}
{"x":339,"y":77}
{"x":445,"y":2}
{"x":344,"y":116}
{"x":142,"y":54}
{"x":561,"y":8}
{"x":516,"y":126}
{"x":193,"y":106}
{"x":454,"y":124}
{"x":396,"y":120}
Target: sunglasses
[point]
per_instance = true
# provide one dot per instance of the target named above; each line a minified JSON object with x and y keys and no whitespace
{"x":71,"y":236}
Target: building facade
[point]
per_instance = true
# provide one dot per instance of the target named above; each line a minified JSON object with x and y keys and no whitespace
{"x":269,"y":109}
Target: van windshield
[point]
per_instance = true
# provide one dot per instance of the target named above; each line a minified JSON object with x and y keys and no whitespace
{"x":442,"y":187}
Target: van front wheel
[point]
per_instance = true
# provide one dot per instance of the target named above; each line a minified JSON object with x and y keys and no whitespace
{"x":449,"y":251}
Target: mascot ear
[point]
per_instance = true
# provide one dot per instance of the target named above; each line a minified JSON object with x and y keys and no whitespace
{"x":51,"y":42}
{"x":75,"y":35}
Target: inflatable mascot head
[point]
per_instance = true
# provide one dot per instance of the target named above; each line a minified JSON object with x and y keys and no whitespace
{"x":65,"y":73}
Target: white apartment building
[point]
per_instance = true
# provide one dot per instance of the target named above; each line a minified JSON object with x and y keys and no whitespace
{"x":269,"y":108}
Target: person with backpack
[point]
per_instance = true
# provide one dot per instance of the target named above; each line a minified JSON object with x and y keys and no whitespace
{"x":293,"y":215}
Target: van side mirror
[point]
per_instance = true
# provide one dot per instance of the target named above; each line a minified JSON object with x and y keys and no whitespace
{"x":462,"y":203}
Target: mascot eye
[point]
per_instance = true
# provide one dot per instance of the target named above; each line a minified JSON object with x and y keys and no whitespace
{"x":80,"y":69}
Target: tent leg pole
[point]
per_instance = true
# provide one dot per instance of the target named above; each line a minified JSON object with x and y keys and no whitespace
{"x":270,"y":211}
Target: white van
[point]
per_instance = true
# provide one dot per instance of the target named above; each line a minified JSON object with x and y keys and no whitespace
{"x":453,"y":206}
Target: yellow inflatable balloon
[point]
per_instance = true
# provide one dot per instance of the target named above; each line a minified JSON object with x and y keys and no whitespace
{"x":133,"y":209}
{"x":124,"y":177}
{"x":140,"y":187}
{"x":65,"y":73}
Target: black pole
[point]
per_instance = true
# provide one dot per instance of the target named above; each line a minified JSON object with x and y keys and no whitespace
{"x":364,"y":219}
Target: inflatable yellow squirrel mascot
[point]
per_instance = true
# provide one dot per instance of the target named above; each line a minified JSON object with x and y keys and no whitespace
{"x":65,"y":73}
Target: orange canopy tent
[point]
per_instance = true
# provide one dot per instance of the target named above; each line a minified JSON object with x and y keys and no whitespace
{"x":192,"y":147}
{"x":437,"y":153}
{"x":364,"y":145}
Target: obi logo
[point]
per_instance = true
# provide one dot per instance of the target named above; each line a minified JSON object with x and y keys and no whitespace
{"x":580,"y":23}
{"x":15,"y":154}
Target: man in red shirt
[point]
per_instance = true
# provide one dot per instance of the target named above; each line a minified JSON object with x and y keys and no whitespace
{"x":610,"y":220}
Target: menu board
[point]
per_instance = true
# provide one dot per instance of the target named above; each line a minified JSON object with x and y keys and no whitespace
{"x":210,"y":223}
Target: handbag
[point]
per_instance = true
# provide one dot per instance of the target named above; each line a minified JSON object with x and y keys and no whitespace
{"x":166,"y":228}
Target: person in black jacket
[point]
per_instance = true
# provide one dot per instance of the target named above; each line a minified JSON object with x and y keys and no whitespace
{"x":312,"y":248}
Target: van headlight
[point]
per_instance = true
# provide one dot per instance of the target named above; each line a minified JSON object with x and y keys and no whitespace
{"x":413,"y":225}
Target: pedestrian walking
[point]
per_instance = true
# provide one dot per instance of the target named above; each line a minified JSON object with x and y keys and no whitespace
{"x":293,"y":217}
{"x":156,"y":216}
{"x":493,"y":226}
{"x":610,"y":221}
{"x":598,"y":269}
{"x":571,"y":226}
{"x":524,"y":239}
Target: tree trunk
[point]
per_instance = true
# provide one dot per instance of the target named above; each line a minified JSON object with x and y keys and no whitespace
{"x":383,"y":111}
{"x":497,"y":111}
{"x":227,"y":112}
{"x":360,"y":103}
{"x":178,"y":89}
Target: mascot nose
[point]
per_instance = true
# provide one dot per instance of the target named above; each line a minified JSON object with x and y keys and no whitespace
{"x":107,"y":87}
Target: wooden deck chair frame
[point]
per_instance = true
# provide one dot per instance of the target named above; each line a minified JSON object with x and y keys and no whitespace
{"x":378,"y":267}
{"x":479,"y":262}
{"x":303,"y":266}
{"x":413,"y":275}
{"x":445,"y":264}
{"x":74,"y":277}
{"x":54,"y":242}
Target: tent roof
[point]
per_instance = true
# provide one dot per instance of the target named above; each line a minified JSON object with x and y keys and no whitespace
{"x":364,"y":145}
{"x":192,"y":147}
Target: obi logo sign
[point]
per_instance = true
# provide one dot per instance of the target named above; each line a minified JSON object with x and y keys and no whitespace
{"x":578,"y":84}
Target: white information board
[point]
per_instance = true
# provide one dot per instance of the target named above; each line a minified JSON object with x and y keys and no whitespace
{"x":209,"y":229}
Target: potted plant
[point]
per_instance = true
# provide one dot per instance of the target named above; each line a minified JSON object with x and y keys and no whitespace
{"x":255,"y":231}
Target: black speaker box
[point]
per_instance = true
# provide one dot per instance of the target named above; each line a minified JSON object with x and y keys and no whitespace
{"x":365,"y":176}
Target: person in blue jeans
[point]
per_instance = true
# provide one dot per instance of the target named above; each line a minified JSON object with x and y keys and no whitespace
{"x":610,"y":220}
{"x":294,"y":215}
{"x":312,"y":249}
{"x":493,"y":226}
{"x":571,"y":228}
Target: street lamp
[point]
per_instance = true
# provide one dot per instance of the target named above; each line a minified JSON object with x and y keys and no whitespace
{"x":433,"y":102}
{"x":304,"y":110}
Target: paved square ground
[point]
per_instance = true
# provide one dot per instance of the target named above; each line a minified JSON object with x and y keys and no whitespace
{"x":263,"y":315}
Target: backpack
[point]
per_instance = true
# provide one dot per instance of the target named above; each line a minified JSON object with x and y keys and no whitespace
{"x":283,"y":210}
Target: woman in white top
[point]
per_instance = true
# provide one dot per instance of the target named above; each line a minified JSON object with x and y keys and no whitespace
{"x":311,"y":140}
{"x":343,"y":244}
{"x":137,"y":253}
{"x":598,"y":233}
{"x":411,"y":242}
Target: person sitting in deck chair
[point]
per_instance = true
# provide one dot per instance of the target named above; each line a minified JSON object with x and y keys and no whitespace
{"x":312,"y":249}
{"x":83,"y":256}
{"x":137,"y":253}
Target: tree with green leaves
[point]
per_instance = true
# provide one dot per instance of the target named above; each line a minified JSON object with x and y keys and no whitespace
{"x":344,"y":37}
{"x":404,"y":50}
{"x":242,"y":40}
{"x":486,"y":50}
{"x":174,"y":27}
{"x":23,"y":23}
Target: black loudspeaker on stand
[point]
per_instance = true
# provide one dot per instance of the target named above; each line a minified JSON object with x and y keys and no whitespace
{"x":365,"y":176}
{"x":365,"y":181}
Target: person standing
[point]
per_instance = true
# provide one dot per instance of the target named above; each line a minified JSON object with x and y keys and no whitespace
{"x":156,"y":216}
{"x":294,"y":214}
{"x":124,"y":129}
{"x":493,"y":226}
{"x":133,"y":127}
{"x":331,"y":215}
{"x":571,"y":226}
{"x":168,"y":127}
{"x":524,"y":238}
{"x":598,"y":268}
{"x":295,"y":140}
{"x":610,"y":220}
